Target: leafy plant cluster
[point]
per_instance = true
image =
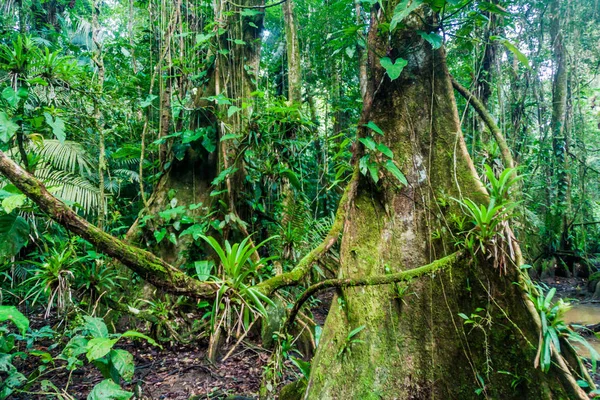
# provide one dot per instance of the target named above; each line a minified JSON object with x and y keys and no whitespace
{"x":91,"y":338}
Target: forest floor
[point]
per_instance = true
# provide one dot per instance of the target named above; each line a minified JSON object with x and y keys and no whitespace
{"x":175,"y":372}
{"x":182,"y":372}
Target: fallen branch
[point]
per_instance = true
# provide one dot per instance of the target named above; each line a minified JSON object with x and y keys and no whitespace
{"x":147,"y":265}
{"x":295,"y":275}
{"x":437,"y":265}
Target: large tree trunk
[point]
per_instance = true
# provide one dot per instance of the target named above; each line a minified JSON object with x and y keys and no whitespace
{"x":189,"y":179}
{"x":415,"y":344}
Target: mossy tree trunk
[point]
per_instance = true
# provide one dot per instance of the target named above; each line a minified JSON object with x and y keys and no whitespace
{"x":415,"y":344}
{"x":232,"y":74}
{"x":559,"y":225}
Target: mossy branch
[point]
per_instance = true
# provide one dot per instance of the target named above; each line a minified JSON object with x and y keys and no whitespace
{"x":147,"y":265}
{"x":437,"y":265}
{"x":295,"y":275}
{"x":488,"y":120}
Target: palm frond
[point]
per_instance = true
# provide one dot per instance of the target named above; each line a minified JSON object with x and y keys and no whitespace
{"x":72,"y":189}
{"x":127,"y":175}
{"x":67,"y":156}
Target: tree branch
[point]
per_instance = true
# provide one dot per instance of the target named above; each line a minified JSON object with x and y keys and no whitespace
{"x":295,"y":275}
{"x":488,"y":120}
{"x":261,"y":6}
{"x":442,"y":263}
{"x":147,"y":265}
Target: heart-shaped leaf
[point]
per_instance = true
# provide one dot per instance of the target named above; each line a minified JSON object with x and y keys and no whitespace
{"x":7,"y":128}
{"x":393,"y":69}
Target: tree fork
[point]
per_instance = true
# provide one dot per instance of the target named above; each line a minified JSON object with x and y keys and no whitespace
{"x":295,"y":275}
{"x":147,"y":265}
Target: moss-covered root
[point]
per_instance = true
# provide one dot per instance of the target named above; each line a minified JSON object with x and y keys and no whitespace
{"x":147,"y":265}
{"x":403,"y":276}
{"x":295,"y":275}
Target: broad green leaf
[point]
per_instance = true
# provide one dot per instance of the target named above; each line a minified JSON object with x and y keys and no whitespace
{"x":223,"y":175}
{"x":76,"y":346}
{"x":232,"y":110}
{"x":148,"y":101}
{"x":7,"y":128}
{"x":394,"y":170}
{"x":95,"y":327}
{"x":208,"y":142}
{"x":363,"y":164}
{"x":99,"y":347}
{"x":402,"y":10}
{"x":393,"y":69}
{"x":57,"y":125}
{"x":230,"y":136}
{"x":374,"y":171}
{"x":10,"y":313}
{"x":201,"y":37}
{"x":137,"y":335}
{"x":159,"y":235}
{"x":303,"y":366}
{"x":10,"y":96}
{"x":247,"y":12}
{"x":123,"y":362}
{"x":371,"y":125}
{"x":292,"y":178}
{"x":12,"y":202}
{"x":433,"y":38}
{"x":350,"y":51}
{"x":385,"y":150}
{"x":14,"y":231}
{"x":195,"y":230}
{"x":368,"y":142}
{"x":108,"y":390}
{"x":203,"y":269}
{"x":44,"y":356}
{"x":190,"y":136}
{"x":513,"y":49}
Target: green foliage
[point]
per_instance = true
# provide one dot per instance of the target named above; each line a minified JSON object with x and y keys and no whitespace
{"x":93,"y":339}
{"x":350,"y":340}
{"x":490,"y":233}
{"x":393,"y":69}
{"x":52,"y":278}
{"x":554,"y":328}
{"x":378,"y":157}
{"x":235,"y":296}
{"x":10,"y":313}
{"x":15,"y":231}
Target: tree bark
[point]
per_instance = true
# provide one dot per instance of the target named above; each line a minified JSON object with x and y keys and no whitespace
{"x":190,"y":178}
{"x":293,"y":53}
{"x":557,"y":126}
{"x":415,"y":344}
